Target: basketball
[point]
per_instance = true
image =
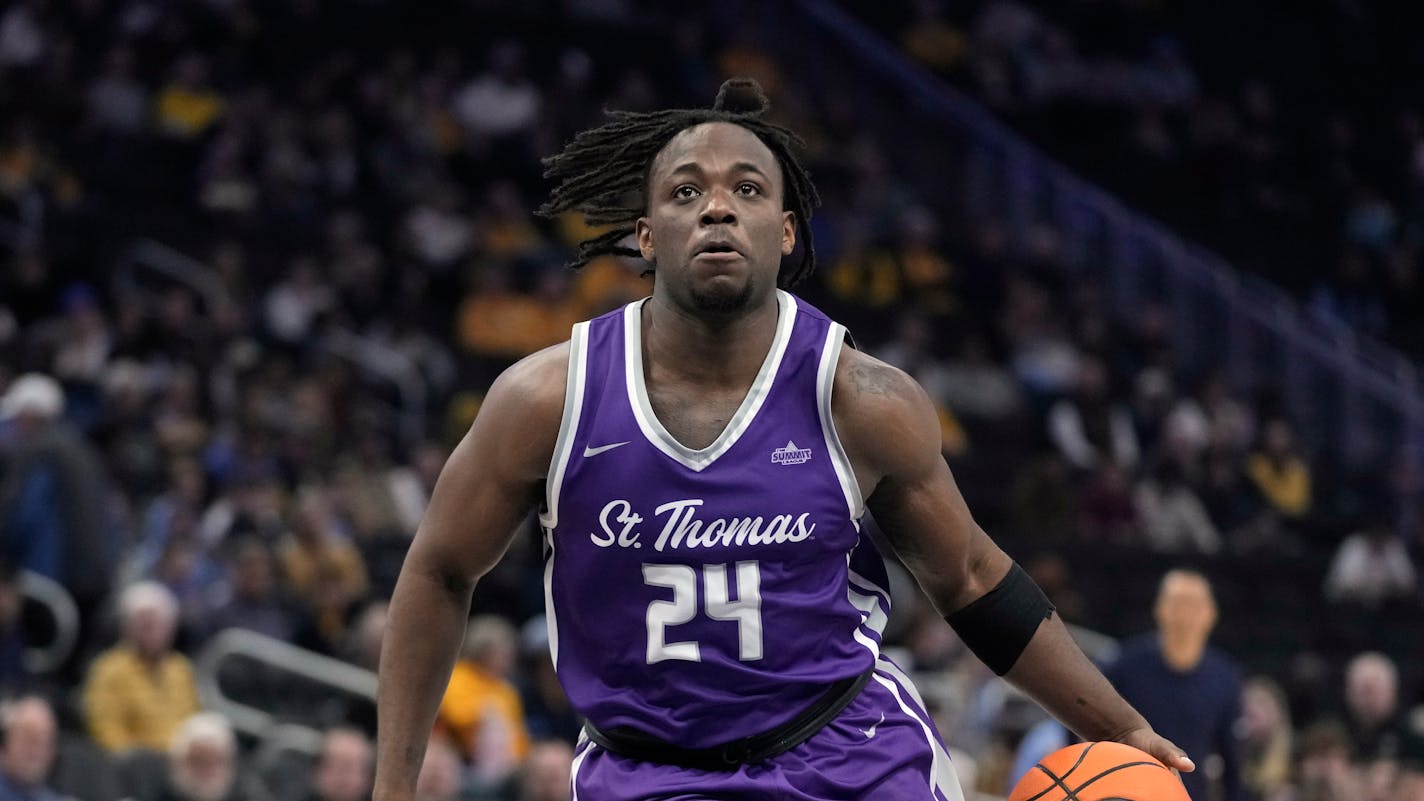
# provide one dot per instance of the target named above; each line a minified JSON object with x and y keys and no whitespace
{"x":1099,"y":772}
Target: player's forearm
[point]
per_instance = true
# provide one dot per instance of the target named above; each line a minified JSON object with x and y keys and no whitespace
{"x":1054,"y":671}
{"x":422,"y":639}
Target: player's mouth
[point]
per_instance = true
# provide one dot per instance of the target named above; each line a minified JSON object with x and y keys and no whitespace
{"x":717,"y":251}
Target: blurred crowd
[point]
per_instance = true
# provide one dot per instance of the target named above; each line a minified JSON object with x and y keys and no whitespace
{"x":260,"y":260}
{"x":1293,"y":144}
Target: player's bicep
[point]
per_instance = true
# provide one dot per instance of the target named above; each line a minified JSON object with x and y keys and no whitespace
{"x":928,"y":524}
{"x":895,"y":430}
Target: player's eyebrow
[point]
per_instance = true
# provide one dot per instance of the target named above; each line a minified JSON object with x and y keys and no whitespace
{"x":694,"y":168}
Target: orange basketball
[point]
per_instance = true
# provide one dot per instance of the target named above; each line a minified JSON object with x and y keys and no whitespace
{"x":1099,"y":772}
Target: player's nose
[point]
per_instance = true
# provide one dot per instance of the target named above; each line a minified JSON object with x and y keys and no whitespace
{"x":718,"y":209}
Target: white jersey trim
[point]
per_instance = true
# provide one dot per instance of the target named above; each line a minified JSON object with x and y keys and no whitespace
{"x":558,"y":466}
{"x":578,"y":763}
{"x":942,"y":776}
{"x":825,"y":381}
{"x":568,"y":426}
{"x":653,"y":429}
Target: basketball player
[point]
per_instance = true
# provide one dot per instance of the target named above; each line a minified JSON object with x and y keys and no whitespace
{"x":701,"y":462}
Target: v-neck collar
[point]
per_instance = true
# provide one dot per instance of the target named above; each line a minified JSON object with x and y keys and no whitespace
{"x":648,"y":421}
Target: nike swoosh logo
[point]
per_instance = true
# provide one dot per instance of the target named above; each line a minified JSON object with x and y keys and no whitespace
{"x":870,"y":732}
{"x":587,"y":451}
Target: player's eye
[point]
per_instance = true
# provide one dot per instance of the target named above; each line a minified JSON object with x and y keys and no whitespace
{"x":748,"y":188}
{"x":685,"y":192}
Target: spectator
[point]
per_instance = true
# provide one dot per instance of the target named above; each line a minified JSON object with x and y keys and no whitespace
{"x":117,"y":101}
{"x":188,"y":105}
{"x":1105,"y":510}
{"x":1090,"y":428}
{"x":1372,"y":712}
{"x":481,"y":709}
{"x":1266,"y":740}
{"x":1371,"y":567}
{"x":1156,"y":671}
{"x":1280,"y":474}
{"x":331,"y":607}
{"x":502,"y":101}
{"x":363,"y":647}
{"x":202,"y":761}
{"x":22,"y":40}
{"x":1325,"y":772}
{"x":53,"y":500}
{"x":343,"y":769}
{"x":140,"y":691}
{"x":319,"y":551}
{"x":294,"y":306}
{"x":28,"y":751}
{"x":546,"y":773}
{"x":1174,"y":519}
{"x":256,"y":601}
{"x":977,"y":387}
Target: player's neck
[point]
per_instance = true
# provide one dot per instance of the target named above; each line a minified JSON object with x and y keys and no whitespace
{"x":710,"y":350}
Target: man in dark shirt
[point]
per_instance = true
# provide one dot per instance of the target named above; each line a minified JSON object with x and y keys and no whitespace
{"x":1189,"y":691}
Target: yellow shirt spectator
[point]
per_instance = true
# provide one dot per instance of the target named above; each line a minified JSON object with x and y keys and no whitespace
{"x":131,"y":703}
{"x":473,"y":699}
{"x":1285,"y":483}
{"x":481,"y":709}
{"x":186,"y":112}
{"x":1280,"y":474}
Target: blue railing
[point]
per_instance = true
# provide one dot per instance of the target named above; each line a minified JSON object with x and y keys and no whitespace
{"x":1350,"y":396}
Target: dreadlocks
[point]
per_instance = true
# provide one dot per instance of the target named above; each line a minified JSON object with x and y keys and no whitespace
{"x":603,"y":172}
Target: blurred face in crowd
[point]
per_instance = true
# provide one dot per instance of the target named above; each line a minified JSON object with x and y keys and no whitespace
{"x":1279,"y":439}
{"x":150,"y":631}
{"x":370,"y":632}
{"x":1261,"y":712}
{"x":546,"y":772}
{"x":1186,"y":611}
{"x":204,"y":771}
{"x":1371,"y":689}
{"x":344,"y":771}
{"x":1326,"y":769}
{"x":29,"y":742}
{"x":255,"y":574}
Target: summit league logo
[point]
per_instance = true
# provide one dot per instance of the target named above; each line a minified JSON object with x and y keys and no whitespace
{"x":791,"y":454}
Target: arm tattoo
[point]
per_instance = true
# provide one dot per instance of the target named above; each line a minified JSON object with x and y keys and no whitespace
{"x":874,"y":379}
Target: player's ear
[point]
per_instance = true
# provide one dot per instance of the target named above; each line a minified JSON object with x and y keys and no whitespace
{"x":644,"y":233}
{"x":788,"y":232}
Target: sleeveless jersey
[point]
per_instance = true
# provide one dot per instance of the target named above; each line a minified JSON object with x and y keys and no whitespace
{"x":700,"y":596}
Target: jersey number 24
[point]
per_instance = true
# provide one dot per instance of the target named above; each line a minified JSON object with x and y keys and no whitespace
{"x":682,"y":580}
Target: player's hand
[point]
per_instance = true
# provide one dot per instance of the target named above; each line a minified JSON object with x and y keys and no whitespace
{"x":1166,"y":752}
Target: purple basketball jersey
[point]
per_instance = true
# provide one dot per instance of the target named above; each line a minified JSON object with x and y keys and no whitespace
{"x":704,"y":595}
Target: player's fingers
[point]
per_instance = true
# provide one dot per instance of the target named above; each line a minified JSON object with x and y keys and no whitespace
{"x":1172,"y":756}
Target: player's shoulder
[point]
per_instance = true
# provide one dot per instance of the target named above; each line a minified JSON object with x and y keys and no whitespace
{"x":867,"y":385}
{"x":534,"y":386}
{"x":882,"y":414}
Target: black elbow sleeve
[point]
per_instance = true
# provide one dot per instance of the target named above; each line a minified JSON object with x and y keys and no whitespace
{"x":998,"y":626}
